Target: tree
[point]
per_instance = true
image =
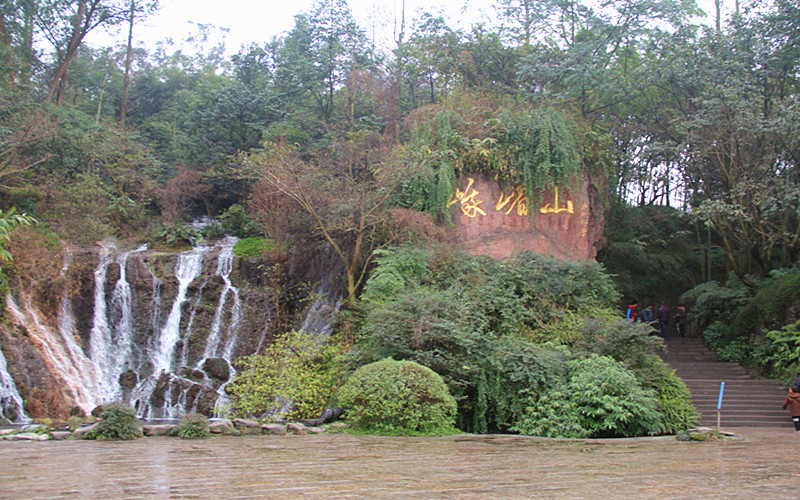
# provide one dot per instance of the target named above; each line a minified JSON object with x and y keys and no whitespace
{"x":136,"y":11}
{"x":66,"y":24}
{"x":344,"y":190}
{"x":24,"y":127}
{"x":318,"y":55}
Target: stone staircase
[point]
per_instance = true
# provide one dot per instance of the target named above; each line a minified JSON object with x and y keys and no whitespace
{"x":747,"y":401}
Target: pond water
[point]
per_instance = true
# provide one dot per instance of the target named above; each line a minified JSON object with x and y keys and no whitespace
{"x":759,"y":464}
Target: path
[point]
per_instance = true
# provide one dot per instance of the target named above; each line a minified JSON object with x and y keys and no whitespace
{"x":747,"y":401}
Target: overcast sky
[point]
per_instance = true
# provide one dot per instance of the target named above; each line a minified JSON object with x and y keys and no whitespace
{"x":258,"y":22}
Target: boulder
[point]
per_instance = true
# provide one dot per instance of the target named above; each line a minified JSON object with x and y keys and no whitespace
{"x":274,"y":429}
{"x":157,"y":429}
{"x":80,"y":433}
{"x":247,"y":426}
{"x":221,"y":426}
{"x":317,"y":430}
{"x":26,"y":436}
{"x":60,"y":435}
{"x":217,"y":368}
{"x":128,"y":379}
{"x":296,"y":428}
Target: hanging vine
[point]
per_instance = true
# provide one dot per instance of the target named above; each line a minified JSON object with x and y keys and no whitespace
{"x":537,"y":148}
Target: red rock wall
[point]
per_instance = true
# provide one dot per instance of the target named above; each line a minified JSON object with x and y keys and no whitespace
{"x":495,"y":222}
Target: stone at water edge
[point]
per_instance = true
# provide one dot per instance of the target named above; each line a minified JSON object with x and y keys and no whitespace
{"x":221,"y":426}
{"x":247,"y":426}
{"x":82,"y":431}
{"x":26,"y":436}
{"x":158,"y":429}
{"x":296,"y":428}
{"x":274,"y":429}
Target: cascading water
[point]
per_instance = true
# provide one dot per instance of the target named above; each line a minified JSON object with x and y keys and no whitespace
{"x":110,"y":340}
{"x":189,"y":266}
{"x":157,"y":330}
{"x":10,"y":400}
{"x":224,"y":268}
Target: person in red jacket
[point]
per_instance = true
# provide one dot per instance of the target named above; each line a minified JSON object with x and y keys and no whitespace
{"x":793,"y":402}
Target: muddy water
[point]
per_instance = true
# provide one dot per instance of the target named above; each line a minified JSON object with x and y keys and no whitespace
{"x":762,"y":464}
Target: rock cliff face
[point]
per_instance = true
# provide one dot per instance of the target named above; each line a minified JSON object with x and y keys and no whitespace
{"x":155,"y":329}
{"x":494,"y":221}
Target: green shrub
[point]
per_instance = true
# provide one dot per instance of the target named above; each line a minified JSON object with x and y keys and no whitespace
{"x":117,"y":421}
{"x":294,"y":377}
{"x":609,"y":400}
{"x":236,"y":220}
{"x":253,"y":247}
{"x":193,"y":426}
{"x":178,"y":235}
{"x":442,"y":330}
{"x":515,"y":371}
{"x":552,"y":414}
{"x":396,"y":398}
{"x":781,"y":352}
{"x":395,"y":269}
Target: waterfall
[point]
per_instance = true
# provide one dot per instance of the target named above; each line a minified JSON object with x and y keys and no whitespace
{"x":110,"y":344}
{"x":224,"y":268}
{"x":10,"y":400}
{"x":158,"y":331}
{"x":188,"y":269}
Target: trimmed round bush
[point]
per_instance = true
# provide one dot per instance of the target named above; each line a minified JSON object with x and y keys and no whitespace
{"x":117,"y":421}
{"x":391,"y":397}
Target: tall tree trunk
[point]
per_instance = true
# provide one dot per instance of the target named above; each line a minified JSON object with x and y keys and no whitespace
{"x":5,"y":43}
{"x":123,"y":109}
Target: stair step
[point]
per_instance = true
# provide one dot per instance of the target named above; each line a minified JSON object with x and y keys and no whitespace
{"x":747,"y":401}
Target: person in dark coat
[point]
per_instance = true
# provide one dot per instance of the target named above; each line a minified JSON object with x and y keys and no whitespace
{"x":680,"y":320}
{"x":793,"y":402}
{"x":663,"y":319}
{"x":647,"y":314}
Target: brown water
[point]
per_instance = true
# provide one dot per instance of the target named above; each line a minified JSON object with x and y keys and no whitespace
{"x":762,"y":464}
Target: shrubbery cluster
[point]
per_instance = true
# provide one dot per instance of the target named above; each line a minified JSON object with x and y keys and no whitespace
{"x":117,"y":421}
{"x":513,"y":344}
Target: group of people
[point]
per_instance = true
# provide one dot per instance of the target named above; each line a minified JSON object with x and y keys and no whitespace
{"x":660,"y":318}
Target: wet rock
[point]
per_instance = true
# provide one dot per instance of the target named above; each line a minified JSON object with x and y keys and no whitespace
{"x":158,"y":429}
{"x":192,"y":374}
{"x":97,"y":410}
{"x":60,"y":435}
{"x":128,"y":379}
{"x":221,"y":426}
{"x":26,"y":436}
{"x":247,"y":426}
{"x":217,"y":368}
{"x":33,"y":427}
{"x":296,"y":428}
{"x":81,"y":432}
{"x":274,"y":429}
